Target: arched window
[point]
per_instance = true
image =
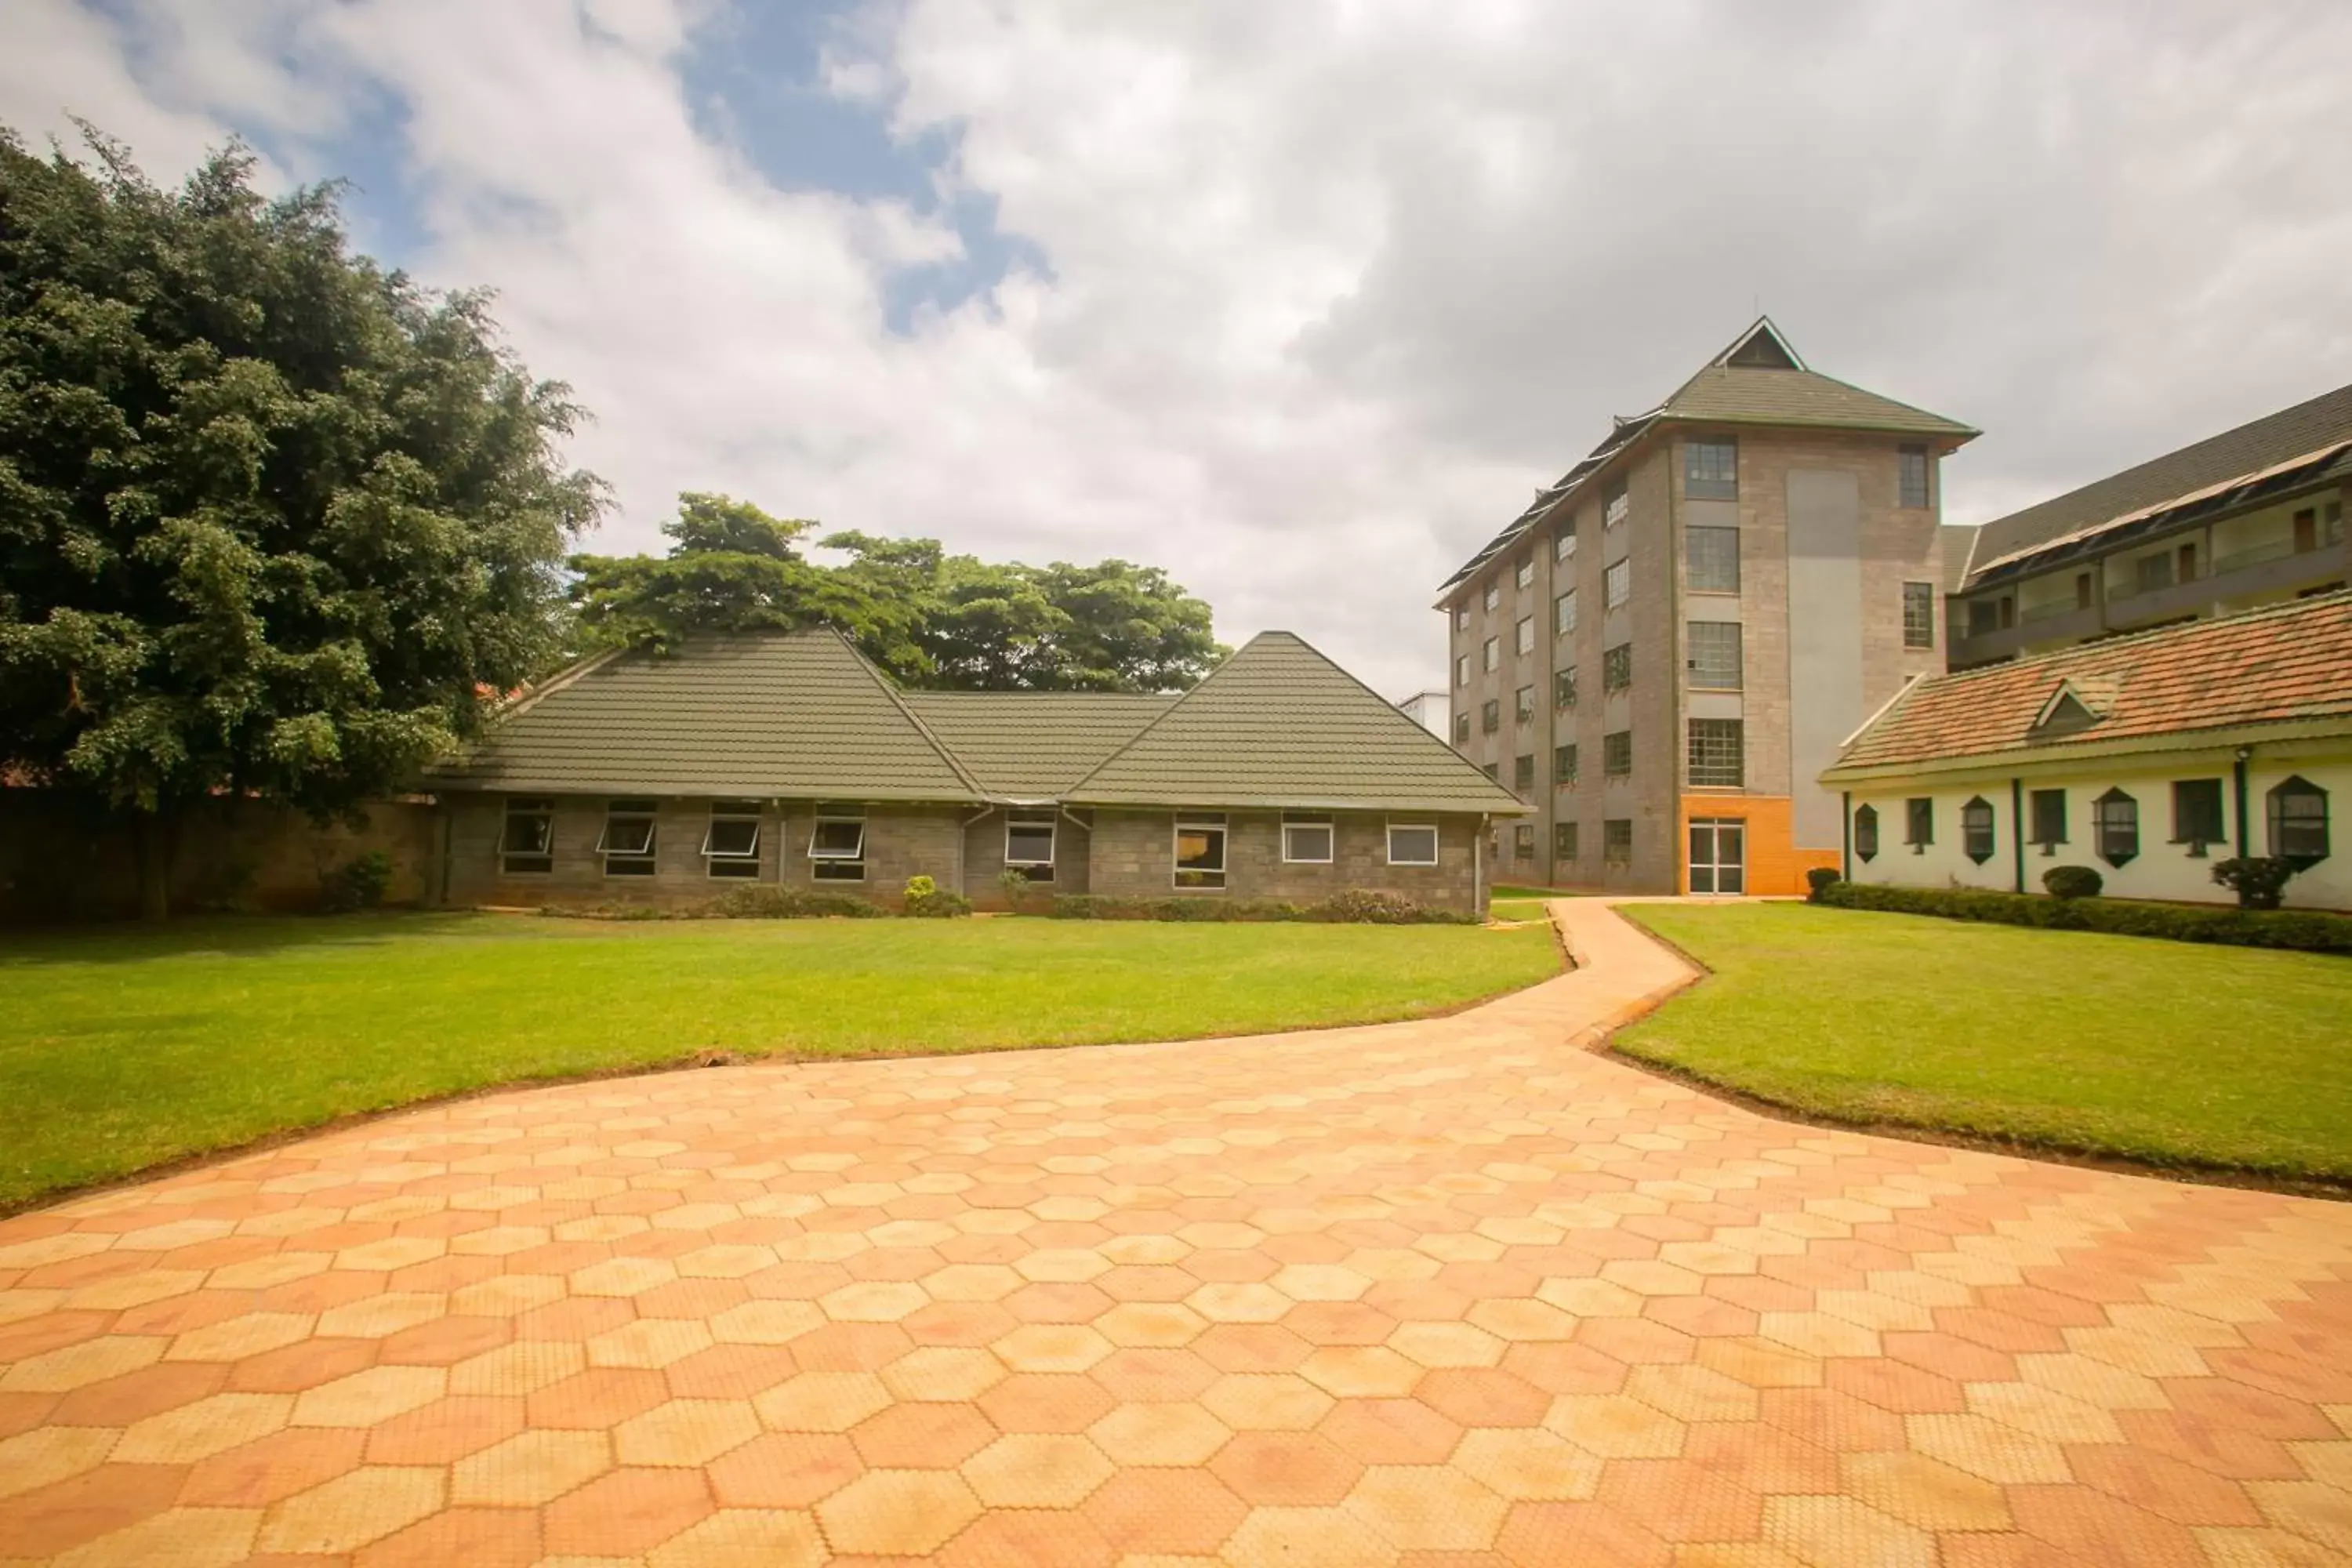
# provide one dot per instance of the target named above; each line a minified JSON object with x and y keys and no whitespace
{"x":2298,"y":822}
{"x":1975,"y":830}
{"x":1865,"y":832}
{"x":2117,"y":816}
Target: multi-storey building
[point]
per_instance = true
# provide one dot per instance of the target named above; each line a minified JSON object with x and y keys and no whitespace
{"x":1660,"y":654}
{"x":2250,"y":517}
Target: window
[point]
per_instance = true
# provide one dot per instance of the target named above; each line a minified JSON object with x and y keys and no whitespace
{"x":1524,"y":634}
{"x":1523,"y":705}
{"x":1201,"y":851}
{"x":1617,"y":753}
{"x":2049,"y":819}
{"x":2304,"y":530}
{"x":1715,"y":664}
{"x":1617,"y":667}
{"x":1865,"y":832}
{"x":1716,"y":753}
{"x":1711,"y":469}
{"x":1523,"y":841}
{"x":1912,"y":462}
{"x":731,"y":844}
{"x":1563,"y":765}
{"x":2197,"y":813}
{"x":1975,"y":830}
{"x":1615,"y":504}
{"x":1523,"y":772}
{"x":2331,"y":521}
{"x":1493,"y":654}
{"x":2299,"y":823}
{"x":1494,"y":595}
{"x":1711,"y":560}
{"x":2084,"y":592}
{"x":1617,"y":585}
{"x":1492,"y":771}
{"x":1490,"y":715}
{"x":1524,"y":576}
{"x":1462,"y":616}
{"x":1462,"y":669}
{"x":527,"y":838}
{"x":1919,"y":823}
{"x":2117,"y":817}
{"x":1563,"y":687}
{"x":1411,"y":845}
{"x":1918,"y":615}
{"x":2152,"y":572}
{"x":1617,"y":841}
{"x":1984,"y":616}
{"x":837,"y":844}
{"x":1461,"y":727}
{"x":1563,"y":543}
{"x":1306,"y":840}
{"x":1563,"y":613}
{"x":1029,"y":843}
{"x":627,"y":843}
{"x":1563,"y":840}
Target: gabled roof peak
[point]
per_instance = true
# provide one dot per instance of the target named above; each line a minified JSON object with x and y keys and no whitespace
{"x":1761,"y":347}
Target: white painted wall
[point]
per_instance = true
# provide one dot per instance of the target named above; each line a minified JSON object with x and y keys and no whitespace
{"x":2162,"y":870}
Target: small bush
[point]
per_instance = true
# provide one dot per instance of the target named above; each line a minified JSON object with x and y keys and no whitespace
{"x":1015,"y":881}
{"x":925,"y":900}
{"x":1356,"y":906}
{"x":766,"y":901}
{"x":2259,"y":880}
{"x":2072,"y":882}
{"x":360,"y":883}
{"x":2304,"y":931}
{"x":1818,"y":881}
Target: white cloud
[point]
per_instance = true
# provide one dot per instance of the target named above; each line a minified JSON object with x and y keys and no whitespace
{"x":1332,"y":286}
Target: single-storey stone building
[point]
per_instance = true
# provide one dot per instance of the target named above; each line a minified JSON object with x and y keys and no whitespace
{"x":787,"y":758}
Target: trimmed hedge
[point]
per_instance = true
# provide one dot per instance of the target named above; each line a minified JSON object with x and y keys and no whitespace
{"x":2304,"y":931}
{"x":757,"y":902}
{"x":1349,"y":908}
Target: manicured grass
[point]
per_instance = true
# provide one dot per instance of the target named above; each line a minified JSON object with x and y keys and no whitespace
{"x":2169,"y":1053}
{"x":124,"y":1047}
{"x":1515,"y":908}
{"x":1523,"y":891}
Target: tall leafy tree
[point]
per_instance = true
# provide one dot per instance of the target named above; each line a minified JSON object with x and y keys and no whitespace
{"x":271,"y":519}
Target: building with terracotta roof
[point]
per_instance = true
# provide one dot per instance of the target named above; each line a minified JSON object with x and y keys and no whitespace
{"x":1660,"y":654}
{"x":2146,"y":757}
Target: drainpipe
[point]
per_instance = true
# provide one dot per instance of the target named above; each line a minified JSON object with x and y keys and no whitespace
{"x":1846,"y":816}
{"x":2238,"y":778}
{"x":2017,"y":829}
{"x":1479,"y":867}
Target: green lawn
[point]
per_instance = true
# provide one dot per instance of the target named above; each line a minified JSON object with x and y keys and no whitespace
{"x":2169,"y":1053}
{"x":1512,"y":901}
{"x":123,"y":1047}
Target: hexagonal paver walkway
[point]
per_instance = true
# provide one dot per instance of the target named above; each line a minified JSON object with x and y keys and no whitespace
{"x":1450,"y":1293}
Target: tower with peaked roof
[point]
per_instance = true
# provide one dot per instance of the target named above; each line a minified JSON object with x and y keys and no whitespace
{"x":1662,"y":650}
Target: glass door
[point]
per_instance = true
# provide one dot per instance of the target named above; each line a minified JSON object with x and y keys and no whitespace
{"x":1719,"y":855}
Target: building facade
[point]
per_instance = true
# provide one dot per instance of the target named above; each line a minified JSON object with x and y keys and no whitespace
{"x":2147,"y":758}
{"x":1660,"y":655}
{"x":2250,"y":517}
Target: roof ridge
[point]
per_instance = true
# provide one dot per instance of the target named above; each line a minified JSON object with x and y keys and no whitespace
{"x":898,"y":699}
{"x":1353,"y":679}
{"x":1161,"y":716}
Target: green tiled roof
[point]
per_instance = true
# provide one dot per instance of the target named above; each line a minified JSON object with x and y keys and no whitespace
{"x":798,"y":714}
{"x":1279,"y":724}
{"x":1034,"y":744}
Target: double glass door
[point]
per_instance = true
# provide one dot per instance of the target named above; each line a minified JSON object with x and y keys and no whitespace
{"x":1719,"y":855}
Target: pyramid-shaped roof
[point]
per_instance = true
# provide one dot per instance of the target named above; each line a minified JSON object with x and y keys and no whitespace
{"x":1278,"y":724}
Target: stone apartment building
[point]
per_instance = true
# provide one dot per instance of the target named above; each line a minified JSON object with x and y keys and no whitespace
{"x":1660,"y":654}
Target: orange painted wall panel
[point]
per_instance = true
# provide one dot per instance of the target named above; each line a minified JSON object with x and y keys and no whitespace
{"x":1774,"y":864}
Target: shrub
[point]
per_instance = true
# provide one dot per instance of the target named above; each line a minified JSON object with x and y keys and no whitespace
{"x":2072,"y":882}
{"x":1354,"y":906}
{"x":2305,"y":930}
{"x":1015,"y":883}
{"x":1818,"y":881}
{"x":770,"y":902}
{"x":925,"y":900}
{"x":2257,"y":880}
{"x":360,"y":883}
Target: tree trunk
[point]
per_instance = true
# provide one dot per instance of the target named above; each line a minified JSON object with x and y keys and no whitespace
{"x":151,"y":845}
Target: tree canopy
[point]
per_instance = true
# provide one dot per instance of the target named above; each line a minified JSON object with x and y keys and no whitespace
{"x":930,"y":619}
{"x":270,"y":517}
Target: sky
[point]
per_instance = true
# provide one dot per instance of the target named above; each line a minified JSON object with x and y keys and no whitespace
{"x":1300,"y":301}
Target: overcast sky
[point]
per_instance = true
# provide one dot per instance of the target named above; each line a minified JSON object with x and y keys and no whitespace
{"x":1300,"y":301}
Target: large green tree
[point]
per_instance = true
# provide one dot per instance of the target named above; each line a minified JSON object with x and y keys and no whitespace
{"x":928,"y":617}
{"x":271,"y":519}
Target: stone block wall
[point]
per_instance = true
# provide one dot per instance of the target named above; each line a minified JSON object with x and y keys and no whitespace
{"x":1134,"y":856}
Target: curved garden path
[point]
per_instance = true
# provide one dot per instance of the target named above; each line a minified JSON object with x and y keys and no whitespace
{"x":1442,"y":1294}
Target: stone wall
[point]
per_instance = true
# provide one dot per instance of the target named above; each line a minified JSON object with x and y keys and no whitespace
{"x":983,"y":859}
{"x":1134,"y":856}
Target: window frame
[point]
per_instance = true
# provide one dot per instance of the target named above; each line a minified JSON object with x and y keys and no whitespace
{"x":1563,"y":613}
{"x":1616,"y":747}
{"x":834,"y":865}
{"x":1563,"y":543}
{"x":1912,"y":460}
{"x":1865,"y":832}
{"x":1523,"y":705}
{"x":1617,"y":667}
{"x":1979,"y":829}
{"x":1523,"y":636}
{"x":630,"y":864}
{"x":1461,"y":727}
{"x":2114,"y":826}
{"x":1309,"y":821}
{"x":1436,"y":845}
{"x":1461,"y":671}
{"x":1712,"y":534}
{"x":1715,"y":731}
{"x":1051,"y":821}
{"x":1523,"y":841}
{"x":1706,"y":475}
{"x":1493,"y":654}
{"x":1616,"y":504}
{"x":1205,"y":822}
{"x":1616,"y":841}
{"x":1462,"y":616}
{"x":542,"y":808}
{"x":1523,"y":774}
{"x":1617,"y":583}
{"x":2046,"y":834}
{"x":1493,"y":597}
{"x":1564,"y":841}
{"x":2277,"y":826}
{"x":1712,"y":679}
{"x":1563,"y":765}
{"x":1490,"y":716}
{"x":1919,"y":822}
{"x":1563,"y":687}
{"x":2219,"y":821}
{"x":1920,"y":634}
{"x":1523,"y":576}
{"x":732,"y":864}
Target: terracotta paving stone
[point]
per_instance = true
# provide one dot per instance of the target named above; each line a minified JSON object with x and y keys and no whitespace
{"x":1451,"y":1294}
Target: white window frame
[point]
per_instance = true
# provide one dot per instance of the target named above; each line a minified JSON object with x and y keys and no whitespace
{"x":1523,"y":636}
{"x":1494,"y":595}
{"x":1524,"y":574}
{"x":1199,"y":822}
{"x":1428,"y":828}
{"x":1461,"y":669}
{"x":539,"y":806}
{"x":1563,"y":543}
{"x":834,"y":865}
{"x":1492,"y":656}
{"x":737,"y":865}
{"x":1563,"y":613}
{"x":1617,"y":583}
{"x":650,"y":816}
{"x":1047,"y":820}
{"x":1311,"y":821}
{"x":1462,"y":616}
